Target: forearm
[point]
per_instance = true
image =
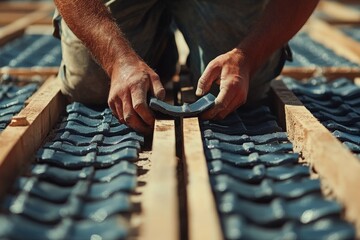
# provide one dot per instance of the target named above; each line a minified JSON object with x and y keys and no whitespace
{"x":281,"y":20}
{"x":93,"y":25}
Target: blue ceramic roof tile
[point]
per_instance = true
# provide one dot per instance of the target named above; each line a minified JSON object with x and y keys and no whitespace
{"x":258,"y":172}
{"x":36,"y":50}
{"x":304,"y":210}
{"x":236,"y":227}
{"x":240,"y":139}
{"x":100,"y":139}
{"x":307,"y":52}
{"x":186,"y":110}
{"x":261,"y":189}
{"x":66,"y":177}
{"x":339,"y":111}
{"x":16,"y":227}
{"x":266,"y":189}
{"x":270,"y":159}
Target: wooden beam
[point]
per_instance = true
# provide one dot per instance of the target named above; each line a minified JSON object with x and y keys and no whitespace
{"x":334,"y":163}
{"x":9,"y":17}
{"x":18,"y":27}
{"x":203,"y":219}
{"x":328,"y":72}
{"x":23,"y":6}
{"x":338,"y":13}
{"x":19,"y":143}
{"x":160,"y":201}
{"x":27,"y":72}
{"x":334,"y":39}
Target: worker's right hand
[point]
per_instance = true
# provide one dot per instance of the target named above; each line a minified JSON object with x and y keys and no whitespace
{"x":130,"y":83}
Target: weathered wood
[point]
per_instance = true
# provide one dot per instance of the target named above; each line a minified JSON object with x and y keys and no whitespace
{"x":334,"y":163}
{"x":31,"y":71}
{"x":23,"y":6}
{"x":18,"y":144}
{"x":328,"y":72}
{"x":160,"y":200}
{"x":203,"y":219}
{"x":9,"y":17}
{"x":18,"y":27}
{"x":337,"y":13}
{"x":334,"y":39}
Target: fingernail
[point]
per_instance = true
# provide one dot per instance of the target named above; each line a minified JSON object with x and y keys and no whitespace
{"x":199,"y":92}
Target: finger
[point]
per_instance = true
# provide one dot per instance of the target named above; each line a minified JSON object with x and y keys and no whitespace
{"x":233,"y":106}
{"x":225,"y":97}
{"x":138,"y":96}
{"x":157,"y":88}
{"x":131,"y":118}
{"x":119,"y":111}
{"x":211,"y":74}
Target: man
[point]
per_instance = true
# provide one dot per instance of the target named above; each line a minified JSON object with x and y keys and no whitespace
{"x":112,"y":51}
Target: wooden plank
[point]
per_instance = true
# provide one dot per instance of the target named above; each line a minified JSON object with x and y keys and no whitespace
{"x":27,"y":72}
{"x":23,"y":6}
{"x":337,"y":13}
{"x":334,"y":39}
{"x":203,"y":220}
{"x":18,"y":144}
{"x":328,"y":72}
{"x":160,"y":202}
{"x":334,"y":163}
{"x":18,"y":27}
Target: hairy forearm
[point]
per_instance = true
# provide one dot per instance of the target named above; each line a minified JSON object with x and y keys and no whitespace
{"x":93,"y":25}
{"x":281,"y":20}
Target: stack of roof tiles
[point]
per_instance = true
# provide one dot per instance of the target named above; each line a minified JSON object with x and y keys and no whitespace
{"x":335,"y":104}
{"x":80,"y":185}
{"x":12,"y":100}
{"x":262,"y":192}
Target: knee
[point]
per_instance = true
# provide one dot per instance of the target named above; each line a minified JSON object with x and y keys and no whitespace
{"x":90,"y":89}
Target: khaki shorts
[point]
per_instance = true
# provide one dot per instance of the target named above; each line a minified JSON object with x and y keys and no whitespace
{"x":210,"y":28}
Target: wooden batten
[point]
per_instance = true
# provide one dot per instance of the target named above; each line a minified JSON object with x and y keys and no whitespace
{"x":160,"y":200}
{"x":334,"y":163}
{"x":21,"y":139}
{"x":328,"y":72}
{"x":18,"y":27}
{"x":22,"y":6}
{"x":28,"y":72}
{"x":337,"y":13}
{"x":203,"y":219}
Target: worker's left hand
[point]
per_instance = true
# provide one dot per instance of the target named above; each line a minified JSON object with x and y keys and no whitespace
{"x":232,"y":73}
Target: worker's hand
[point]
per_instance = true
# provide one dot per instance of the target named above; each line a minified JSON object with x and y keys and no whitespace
{"x":130,"y":83}
{"x":232,"y":73}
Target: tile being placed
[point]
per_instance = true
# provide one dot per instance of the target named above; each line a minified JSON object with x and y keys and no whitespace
{"x":186,"y":110}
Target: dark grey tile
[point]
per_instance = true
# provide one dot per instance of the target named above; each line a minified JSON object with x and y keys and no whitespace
{"x":186,"y":110}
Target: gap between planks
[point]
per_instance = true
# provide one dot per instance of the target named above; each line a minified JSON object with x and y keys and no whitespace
{"x":203,"y":219}
{"x":18,"y":144}
{"x":334,"y":163}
